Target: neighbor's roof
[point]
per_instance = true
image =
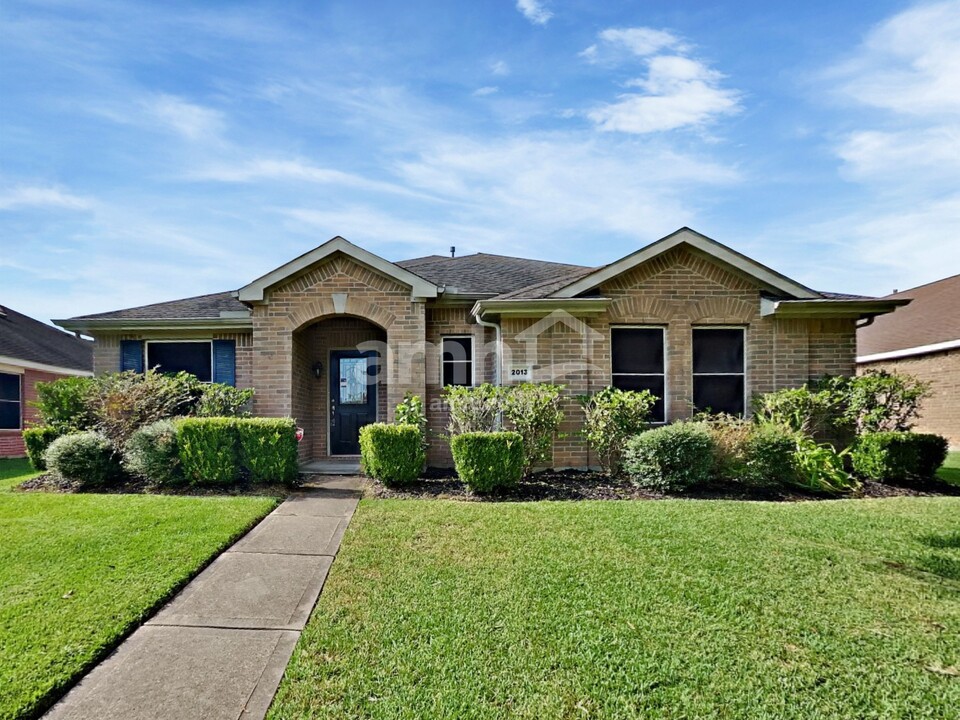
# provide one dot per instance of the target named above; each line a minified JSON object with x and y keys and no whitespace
{"x":931,"y":319}
{"x":486,"y":274}
{"x":23,"y":338}
{"x":200,"y":307}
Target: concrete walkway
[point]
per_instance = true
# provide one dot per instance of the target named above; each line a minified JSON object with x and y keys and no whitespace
{"x":219,"y":648}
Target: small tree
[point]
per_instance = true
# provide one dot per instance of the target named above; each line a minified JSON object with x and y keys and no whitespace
{"x":611,"y":416}
{"x":534,"y":411}
{"x":473,"y":409}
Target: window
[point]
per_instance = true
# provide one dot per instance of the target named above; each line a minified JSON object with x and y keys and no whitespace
{"x":637,"y":357}
{"x":457,"y":361}
{"x":9,"y":401}
{"x":173,"y":357}
{"x":718,"y":371}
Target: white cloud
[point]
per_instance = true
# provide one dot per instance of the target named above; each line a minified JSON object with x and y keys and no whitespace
{"x":486,"y":90}
{"x":187,"y":119}
{"x":676,"y":92}
{"x":41,"y":197}
{"x":500,"y":68}
{"x":534,"y":11}
{"x":640,"y":41}
{"x":925,"y":155}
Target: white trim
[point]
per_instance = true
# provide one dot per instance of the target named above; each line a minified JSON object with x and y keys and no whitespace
{"x":746,"y":363}
{"x":908,"y":352}
{"x":420,"y":288}
{"x":472,"y":361}
{"x":30,"y":365}
{"x":166,"y":341}
{"x":694,"y":239}
{"x":666,"y":365}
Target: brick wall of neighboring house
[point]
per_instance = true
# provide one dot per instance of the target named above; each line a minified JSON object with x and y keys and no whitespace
{"x":941,"y":411}
{"x":282,"y":353}
{"x":11,"y":441}
{"x":679,"y":290}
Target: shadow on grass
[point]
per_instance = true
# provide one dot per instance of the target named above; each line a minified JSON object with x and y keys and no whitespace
{"x":949,"y":475}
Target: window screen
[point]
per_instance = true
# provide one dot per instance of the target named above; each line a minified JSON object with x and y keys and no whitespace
{"x":718,"y":370}
{"x":457,"y":361}
{"x":637,"y":356}
{"x":9,"y":401}
{"x":173,"y":357}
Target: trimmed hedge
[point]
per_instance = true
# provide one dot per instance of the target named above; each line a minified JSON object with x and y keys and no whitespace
{"x":392,"y":454}
{"x":673,"y":457}
{"x":209,"y":450}
{"x":152,"y":453}
{"x":268,"y":448}
{"x":884,"y":456}
{"x":488,"y":460}
{"x":87,"y":458}
{"x":37,"y":440}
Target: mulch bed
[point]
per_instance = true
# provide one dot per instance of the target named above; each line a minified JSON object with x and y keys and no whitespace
{"x":584,"y":485}
{"x":56,"y":484}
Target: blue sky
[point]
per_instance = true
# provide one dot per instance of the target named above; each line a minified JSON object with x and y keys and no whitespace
{"x":150,"y":151}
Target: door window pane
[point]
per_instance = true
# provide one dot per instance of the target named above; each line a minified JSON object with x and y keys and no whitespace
{"x":174,"y":357}
{"x":719,"y":382}
{"x":457,"y":361}
{"x":637,"y":362}
{"x":353,"y":381}
{"x":9,"y":401}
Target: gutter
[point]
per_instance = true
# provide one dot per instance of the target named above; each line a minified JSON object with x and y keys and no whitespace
{"x":829,"y":308}
{"x":120,"y":324}
{"x":910,"y":352}
{"x":540,"y":307}
{"x":499,"y":346}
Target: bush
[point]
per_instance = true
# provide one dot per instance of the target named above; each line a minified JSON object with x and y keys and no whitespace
{"x":486,"y":461}
{"x":674,"y":457}
{"x":208,"y":450}
{"x":124,"y":402}
{"x":819,"y":467}
{"x":769,"y":456}
{"x":729,"y":435}
{"x":87,"y":458}
{"x":268,"y":448}
{"x":37,"y":440}
{"x":219,"y":400}
{"x":879,"y":401}
{"x":818,"y":413}
{"x":611,"y":416}
{"x":473,"y":409}
{"x":65,"y":404}
{"x":884,"y":456}
{"x":533,"y":410}
{"x":392,"y":454}
{"x":152,"y":453}
{"x":410,"y":411}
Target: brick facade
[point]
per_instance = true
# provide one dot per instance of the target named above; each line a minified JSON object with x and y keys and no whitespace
{"x":11,"y":441}
{"x":941,"y":411}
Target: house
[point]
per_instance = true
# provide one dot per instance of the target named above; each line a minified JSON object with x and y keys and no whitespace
{"x":32,"y":352}
{"x":922,"y":340}
{"x":337,"y":336}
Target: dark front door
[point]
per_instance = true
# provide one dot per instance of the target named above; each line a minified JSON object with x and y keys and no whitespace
{"x":353,"y":398}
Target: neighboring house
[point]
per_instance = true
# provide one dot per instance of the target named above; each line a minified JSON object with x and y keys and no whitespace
{"x":922,"y":340}
{"x":32,"y":352}
{"x":336,"y":337}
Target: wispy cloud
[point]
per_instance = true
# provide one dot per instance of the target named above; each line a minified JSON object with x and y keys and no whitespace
{"x":485,"y":90}
{"x":185,"y":118}
{"x":677,"y":91}
{"x":41,"y":197}
{"x":534,"y":11}
{"x":500,"y":68}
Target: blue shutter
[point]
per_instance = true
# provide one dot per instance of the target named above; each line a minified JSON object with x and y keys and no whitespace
{"x":225,"y":362}
{"x":131,"y":355}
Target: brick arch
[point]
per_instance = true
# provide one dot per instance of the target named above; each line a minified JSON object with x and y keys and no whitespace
{"x":323,"y":308}
{"x":642,"y":308}
{"x":722,"y":309}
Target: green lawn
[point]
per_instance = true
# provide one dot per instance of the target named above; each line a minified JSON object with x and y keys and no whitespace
{"x":79,"y":571}
{"x":668,"y":609}
{"x":951,"y":469}
{"x":14,"y":471}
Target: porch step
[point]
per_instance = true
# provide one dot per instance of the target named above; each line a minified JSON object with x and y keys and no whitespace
{"x":331,"y":466}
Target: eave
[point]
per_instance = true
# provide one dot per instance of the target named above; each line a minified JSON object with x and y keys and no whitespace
{"x":541,"y":307}
{"x":91,"y":326}
{"x":829,"y":308}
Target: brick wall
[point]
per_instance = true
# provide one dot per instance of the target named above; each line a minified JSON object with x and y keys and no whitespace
{"x":941,"y":411}
{"x":11,"y":441}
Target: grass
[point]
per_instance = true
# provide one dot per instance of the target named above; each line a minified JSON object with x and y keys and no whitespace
{"x":950,"y":471}
{"x":668,"y":609}
{"x":14,"y":471}
{"x":78,"y":572}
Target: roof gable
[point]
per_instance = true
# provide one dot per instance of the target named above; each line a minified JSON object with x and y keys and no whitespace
{"x":764,"y":276}
{"x":420,"y":288}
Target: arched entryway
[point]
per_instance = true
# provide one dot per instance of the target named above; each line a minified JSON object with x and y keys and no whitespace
{"x":338,"y":383}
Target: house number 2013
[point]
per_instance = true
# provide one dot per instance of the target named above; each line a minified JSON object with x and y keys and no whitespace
{"x":521,"y":373}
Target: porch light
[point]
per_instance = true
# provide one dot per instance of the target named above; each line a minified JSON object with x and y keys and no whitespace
{"x":317,"y":369}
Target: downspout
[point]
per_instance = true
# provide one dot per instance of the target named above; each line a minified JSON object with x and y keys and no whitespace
{"x":499,"y":345}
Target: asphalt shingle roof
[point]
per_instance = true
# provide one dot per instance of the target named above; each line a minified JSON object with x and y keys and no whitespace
{"x":23,"y":338}
{"x":485,"y":274}
{"x":933,"y":317}
{"x":198,"y":307}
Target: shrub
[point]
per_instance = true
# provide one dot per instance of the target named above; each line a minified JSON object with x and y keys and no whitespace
{"x":819,"y":467}
{"x":534,"y":411}
{"x":410,"y":411}
{"x":486,"y":461}
{"x":811,"y":412}
{"x":219,"y":400}
{"x":126,"y":401}
{"x":673,"y":457}
{"x":152,"y":453}
{"x":611,"y":416}
{"x":268,"y":448}
{"x":392,"y":454}
{"x":473,"y":409}
{"x":37,"y":440}
{"x":884,"y":456}
{"x":65,"y":404}
{"x":729,"y":435}
{"x":87,"y":458}
{"x":208,"y":450}
{"x":768,"y":454}
{"x":880,"y":401}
